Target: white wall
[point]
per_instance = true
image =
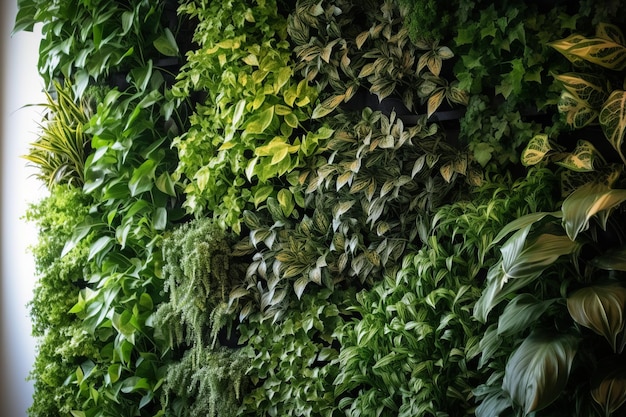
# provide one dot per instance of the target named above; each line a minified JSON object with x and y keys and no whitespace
{"x":19,"y":85}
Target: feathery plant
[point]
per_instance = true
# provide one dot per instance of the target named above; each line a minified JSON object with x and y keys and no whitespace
{"x":60,"y":151}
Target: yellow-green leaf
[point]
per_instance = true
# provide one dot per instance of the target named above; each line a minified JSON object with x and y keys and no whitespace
{"x":327,"y":106}
{"x":604,"y":52}
{"x":591,"y":89}
{"x":578,"y":113}
{"x":536,"y":150}
{"x":581,"y":159}
{"x":435,"y":101}
{"x":613,"y":120}
{"x":260,"y":122}
{"x":610,"y":32}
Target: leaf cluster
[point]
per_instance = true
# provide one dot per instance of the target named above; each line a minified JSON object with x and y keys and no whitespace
{"x":413,"y":350}
{"x":251,"y":125}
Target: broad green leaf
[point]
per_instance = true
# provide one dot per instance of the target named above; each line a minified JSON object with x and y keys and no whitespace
{"x":582,"y":158}
{"x":538,"y":370}
{"x":536,"y":150}
{"x":100,"y":246}
{"x":520,"y":313}
{"x":165,"y":184}
{"x":261,"y":194}
{"x":585,"y":202}
{"x":604,"y":52}
{"x":143,"y":178}
{"x":601,"y":309}
{"x":522,"y":222}
{"x":613,"y":120}
{"x":166,"y":43}
{"x":285,"y":199}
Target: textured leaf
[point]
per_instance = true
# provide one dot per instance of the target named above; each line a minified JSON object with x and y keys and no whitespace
{"x":613,"y":120}
{"x":601,"y":309}
{"x":327,"y":106}
{"x":603,"y":52}
{"x":536,"y":150}
{"x":538,"y":370}
{"x":581,"y":159}
{"x":610,"y":32}
{"x":435,"y":101}
{"x":578,"y":113}
{"x":589,"y":88}
{"x":585,"y":202}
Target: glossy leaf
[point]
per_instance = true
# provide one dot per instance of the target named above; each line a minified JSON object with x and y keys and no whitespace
{"x":578,"y":113}
{"x":612,"y":260}
{"x":587,"y":201}
{"x":538,"y":370}
{"x":521,"y":313}
{"x":591,"y":89}
{"x":610,"y":32}
{"x":601,"y":309}
{"x":166,"y":43}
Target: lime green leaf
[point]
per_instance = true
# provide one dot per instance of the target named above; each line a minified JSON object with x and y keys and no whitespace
{"x":165,"y":184}
{"x":285,"y":199}
{"x":587,"y":201}
{"x":259,"y":122}
{"x":601,"y":309}
{"x":538,"y":370}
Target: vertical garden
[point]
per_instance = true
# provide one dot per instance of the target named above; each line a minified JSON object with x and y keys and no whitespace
{"x":330,"y":208}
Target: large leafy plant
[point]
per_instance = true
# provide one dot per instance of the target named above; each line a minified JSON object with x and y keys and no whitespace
{"x":563,"y":267}
{"x":412,"y":350}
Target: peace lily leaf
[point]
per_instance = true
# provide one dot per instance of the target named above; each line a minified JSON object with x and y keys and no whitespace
{"x":522,"y":262}
{"x":536,"y":150}
{"x":601,"y":309}
{"x":603,"y":52}
{"x":612,"y":260}
{"x":522,"y":222}
{"x":582,"y":158}
{"x":613,"y":120}
{"x":585,"y":202}
{"x":609,"y":385}
{"x":520,"y":313}
{"x":538,"y":370}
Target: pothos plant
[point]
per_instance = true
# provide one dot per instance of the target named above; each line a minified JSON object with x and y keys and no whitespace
{"x":565,"y":267}
{"x":250,"y":127}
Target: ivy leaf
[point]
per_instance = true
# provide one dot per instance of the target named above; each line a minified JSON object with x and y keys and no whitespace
{"x":538,"y":370}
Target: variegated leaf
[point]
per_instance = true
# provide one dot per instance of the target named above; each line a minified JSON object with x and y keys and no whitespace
{"x":611,"y":33}
{"x":591,"y":89}
{"x":536,"y":150}
{"x":613,"y":120}
{"x":581,"y":159}
{"x":578,"y":113}
{"x":604,"y":52}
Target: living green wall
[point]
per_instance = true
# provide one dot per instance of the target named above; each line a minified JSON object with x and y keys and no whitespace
{"x":329,"y":208}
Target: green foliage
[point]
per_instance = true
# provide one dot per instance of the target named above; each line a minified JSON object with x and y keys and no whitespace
{"x":427,"y":19}
{"x":199,"y":275}
{"x":86,"y":41}
{"x":344,"y":47}
{"x":413,"y":348}
{"x":494,"y":134}
{"x":250,"y":127}
{"x":293,"y":362}
{"x":60,"y":150}
{"x":207,"y":382}
{"x":367,"y":201}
